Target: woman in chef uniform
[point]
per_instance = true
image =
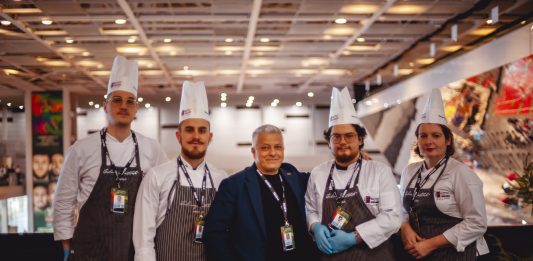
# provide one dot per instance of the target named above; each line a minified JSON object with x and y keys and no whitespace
{"x":444,"y":208}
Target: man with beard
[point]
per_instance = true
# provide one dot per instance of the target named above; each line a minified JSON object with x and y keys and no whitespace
{"x":175,"y":197}
{"x":101,"y":175}
{"x":353,"y":205}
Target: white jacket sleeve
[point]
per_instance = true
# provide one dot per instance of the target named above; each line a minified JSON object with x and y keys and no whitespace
{"x":313,"y":213}
{"x":404,"y":180}
{"x":388,"y":220}
{"x":66,"y":196}
{"x":468,"y":190}
{"x":145,"y":217}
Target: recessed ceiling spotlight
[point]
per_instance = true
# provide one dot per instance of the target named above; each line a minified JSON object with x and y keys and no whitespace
{"x":140,"y":99}
{"x":310,"y":94}
{"x":228,"y":40}
{"x":46,"y":21}
{"x":265,"y":40}
{"x":148,"y":105}
{"x":91,"y":103}
{"x":5,"y":22}
{"x":120,"y":21}
{"x":341,"y":20}
{"x":167,"y":40}
{"x":361,"y":39}
{"x":97,"y":106}
{"x":223,"y":105}
{"x":69,"y":40}
{"x":167,"y":99}
{"x":299,"y":104}
{"x":131,"y":40}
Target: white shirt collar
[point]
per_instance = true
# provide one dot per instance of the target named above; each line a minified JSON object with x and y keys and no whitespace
{"x":188,"y":166}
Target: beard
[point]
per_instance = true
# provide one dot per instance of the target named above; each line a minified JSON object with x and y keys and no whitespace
{"x":193,"y":154}
{"x":345,"y":158}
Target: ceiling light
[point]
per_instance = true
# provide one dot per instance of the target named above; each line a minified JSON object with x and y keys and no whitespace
{"x":341,"y":20}
{"x":229,"y":48}
{"x":131,"y":40}
{"x":411,"y":64}
{"x":91,"y":103}
{"x":8,"y":104}
{"x":228,"y":52}
{"x":451,"y":48}
{"x":363,"y":48}
{"x":346,"y":52}
{"x":405,"y":71}
{"x":223,"y":98}
{"x":69,"y":40}
{"x":340,"y":31}
{"x":100,"y":73}
{"x":97,"y":106}
{"x":336,"y":72}
{"x":118,"y":31}
{"x":22,"y":10}
{"x":251,"y":98}
{"x":167,"y":99}
{"x":223,"y":104}
{"x":151,"y":72}
{"x":314,"y":61}
{"x":326,"y":37}
{"x":359,"y":9}
{"x":120,"y":21}
{"x":88,"y":63}
{"x":361,"y":39}
{"x":86,"y":53}
{"x":228,"y":40}
{"x":248,"y":105}
{"x":273,"y":104}
{"x":105,"y":96}
{"x":223,"y":94}
{"x":46,"y":21}
{"x":10,"y":71}
{"x":482,"y":31}
{"x":147,"y":105}
{"x":140,"y":99}
{"x":173,"y":53}
{"x":185,"y":67}
{"x":168,"y":48}
{"x":299,"y":104}
{"x":132,"y":49}
{"x":425,"y":61}
{"x":407,"y":9}
{"x":70,"y":50}
{"x":276,"y":101}
{"x":56,"y":63}
{"x":5,"y":22}
{"x":489,"y":21}
{"x":167,"y":40}
{"x":310,"y":94}
{"x":523,"y":22}
{"x":265,"y":40}
{"x":260,"y":62}
{"x":266,"y":48}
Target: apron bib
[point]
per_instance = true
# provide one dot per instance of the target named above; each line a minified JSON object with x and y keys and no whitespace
{"x":174,"y":239}
{"x":101,"y":234}
{"x":432,"y":222}
{"x":354,"y":205}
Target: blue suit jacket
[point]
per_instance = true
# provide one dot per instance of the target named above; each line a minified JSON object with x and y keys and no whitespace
{"x":235,"y":226}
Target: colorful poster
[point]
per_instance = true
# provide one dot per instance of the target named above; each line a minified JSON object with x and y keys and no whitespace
{"x":47,"y":158}
{"x":516,"y":97}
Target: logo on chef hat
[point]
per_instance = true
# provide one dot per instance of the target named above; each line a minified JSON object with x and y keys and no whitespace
{"x":185,"y":112}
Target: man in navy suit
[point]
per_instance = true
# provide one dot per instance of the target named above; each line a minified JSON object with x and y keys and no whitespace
{"x":258,"y":213}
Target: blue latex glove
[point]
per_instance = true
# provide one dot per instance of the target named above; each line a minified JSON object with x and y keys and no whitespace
{"x":66,"y":253}
{"x":322,"y":234}
{"x":341,"y":241}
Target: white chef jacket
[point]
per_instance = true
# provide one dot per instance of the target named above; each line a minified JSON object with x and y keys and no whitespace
{"x":376,"y":181}
{"x":152,"y":201}
{"x":460,"y":195}
{"x":82,"y":168}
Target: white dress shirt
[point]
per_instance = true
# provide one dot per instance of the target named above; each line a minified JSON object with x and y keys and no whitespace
{"x":152,"y":201}
{"x":82,"y":168}
{"x":460,"y":195}
{"x":376,"y":181}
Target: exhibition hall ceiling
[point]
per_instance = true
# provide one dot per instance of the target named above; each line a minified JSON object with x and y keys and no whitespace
{"x":266,"y":48}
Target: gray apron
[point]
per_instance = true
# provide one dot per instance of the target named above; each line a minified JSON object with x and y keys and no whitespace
{"x":174,"y":239}
{"x":354,"y":205}
{"x":100,"y":233}
{"x":428,"y":221}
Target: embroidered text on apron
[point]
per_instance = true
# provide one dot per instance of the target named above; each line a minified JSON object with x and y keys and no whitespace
{"x":174,"y":239}
{"x":354,"y":204}
{"x":428,"y":221}
{"x":100,"y":233}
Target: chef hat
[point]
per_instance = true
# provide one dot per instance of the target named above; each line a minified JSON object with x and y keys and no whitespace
{"x":124,"y":76}
{"x":434,"y":110}
{"x":342,"y":110}
{"x":193,"y":101}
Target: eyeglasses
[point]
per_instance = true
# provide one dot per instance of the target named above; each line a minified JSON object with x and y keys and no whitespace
{"x":117,"y":100}
{"x":348,"y":137}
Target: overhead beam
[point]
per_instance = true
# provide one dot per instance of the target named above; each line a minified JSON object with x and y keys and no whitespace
{"x":19,"y":83}
{"x":30,"y":33}
{"x":334,"y":56}
{"x":140,"y":30}
{"x":252,"y":25}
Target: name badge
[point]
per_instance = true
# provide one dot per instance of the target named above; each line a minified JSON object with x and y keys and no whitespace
{"x":340,"y":218}
{"x":119,"y":200}
{"x":440,"y":195}
{"x":199,"y":229}
{"x":287,"y":238}
{"x":372,"y":201}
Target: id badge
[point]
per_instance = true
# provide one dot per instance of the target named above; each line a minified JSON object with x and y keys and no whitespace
{"x":340,"y":218}
{"x":287,"y":238}
{"x":119,"y":200}
{"x":199,"y":229}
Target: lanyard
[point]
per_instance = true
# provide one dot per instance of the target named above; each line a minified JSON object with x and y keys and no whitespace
{"x":282,"y":201}
{"x":117,"y":175}
{"x":420,"y":183}
{"x":199,"y":200}
{"x":340,"y":198}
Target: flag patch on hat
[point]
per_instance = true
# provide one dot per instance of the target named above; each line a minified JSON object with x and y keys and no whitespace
{"x":116,"y":84}
{"x":334,"y":117}
{"x":185,"y":112}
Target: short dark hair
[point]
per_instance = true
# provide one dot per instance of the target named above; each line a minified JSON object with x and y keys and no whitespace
{"x":448,"y":135}
{"x":361,"y":133}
